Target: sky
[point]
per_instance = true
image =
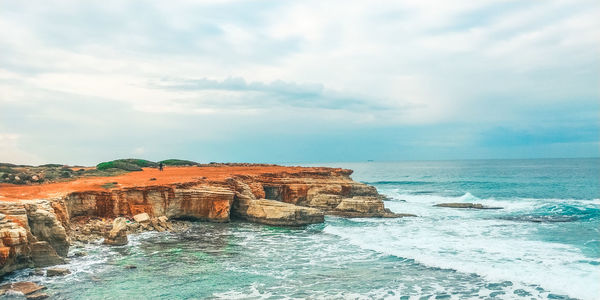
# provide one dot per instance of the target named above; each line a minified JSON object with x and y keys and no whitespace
{"x":298,"y":81}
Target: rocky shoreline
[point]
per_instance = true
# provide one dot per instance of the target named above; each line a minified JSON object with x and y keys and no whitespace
{"x":38,"y":232}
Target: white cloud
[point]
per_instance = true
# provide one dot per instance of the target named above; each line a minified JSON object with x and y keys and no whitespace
{"x":343,"y":63}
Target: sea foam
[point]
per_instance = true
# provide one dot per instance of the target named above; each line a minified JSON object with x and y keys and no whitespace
{"x":477,"y":241}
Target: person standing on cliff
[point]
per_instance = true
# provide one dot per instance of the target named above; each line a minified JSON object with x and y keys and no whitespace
{"x":160,"y":166}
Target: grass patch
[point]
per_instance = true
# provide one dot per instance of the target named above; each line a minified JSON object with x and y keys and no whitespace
{"x":109,"y":185}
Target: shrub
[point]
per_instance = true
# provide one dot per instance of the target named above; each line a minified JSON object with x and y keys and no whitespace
{"x":105,"y":165}
{"x":140,"y":162}
{"x":109,"y":185}
{"x":51,"y":166}
{"x":178,"y":162}
{"x":130,"y":164}
{"x":126,"y":166}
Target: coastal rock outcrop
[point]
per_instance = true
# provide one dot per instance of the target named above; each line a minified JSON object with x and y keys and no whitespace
{"x":199,"y":202}
{"x":38,"y":232}
{"x":45,"y":225}
{"x":30,"y":235}
{"x":271,"y":212}
{"x":277,"y":213}
{"x":329,"y":190}
{"x":43,"y":255}
{"x":14,"y":241}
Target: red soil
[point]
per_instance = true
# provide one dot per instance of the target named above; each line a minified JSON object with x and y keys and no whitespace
{"x":170,"y":175}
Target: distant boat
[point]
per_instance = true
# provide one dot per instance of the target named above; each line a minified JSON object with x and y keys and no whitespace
{"x":369,"y":160}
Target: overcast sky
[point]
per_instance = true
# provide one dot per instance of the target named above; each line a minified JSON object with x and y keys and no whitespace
{"x":298,"y":81}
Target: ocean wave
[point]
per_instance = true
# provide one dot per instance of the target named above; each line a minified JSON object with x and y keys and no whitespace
{"x":482,"y":246}
{"x":542,"y":205}
{"x":541,"y":218}
{"x":490,"y":243}
{"x":461,"y":183}
{"x":514,"y":210}
{"x":401,"y":182}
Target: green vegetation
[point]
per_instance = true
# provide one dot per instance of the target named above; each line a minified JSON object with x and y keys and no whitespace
{"x":24,"y":174}
{"x":130,"y":164}
{"x":5,"y":169}
{"x":101,"y":173}
{"x":12,"y":165}
{"x":109,"y":185}
{"x":178,"y":162}
{"x":51,"y":166}
{"x":134,"y":164}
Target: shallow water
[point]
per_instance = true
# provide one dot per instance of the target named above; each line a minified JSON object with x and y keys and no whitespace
{"x":544,"y":244}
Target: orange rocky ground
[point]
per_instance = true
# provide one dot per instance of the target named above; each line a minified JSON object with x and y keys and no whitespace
{"x":170,"y":175}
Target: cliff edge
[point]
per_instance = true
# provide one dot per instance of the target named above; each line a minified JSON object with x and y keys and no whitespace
{"x":35,"y":218}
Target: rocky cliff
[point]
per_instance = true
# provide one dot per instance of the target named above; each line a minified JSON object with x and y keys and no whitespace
{"x":31,"y":235}
{"x":35,"y":232}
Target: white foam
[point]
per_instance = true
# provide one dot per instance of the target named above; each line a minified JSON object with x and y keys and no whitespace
{"x":487,"y":247}
{"x":419,"y":204}
{"x":474,"y":242}
{"x":252,"y":293}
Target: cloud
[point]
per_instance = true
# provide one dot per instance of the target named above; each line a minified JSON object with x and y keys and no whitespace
{"x":276,"y":93}
{"x":193,"y":77}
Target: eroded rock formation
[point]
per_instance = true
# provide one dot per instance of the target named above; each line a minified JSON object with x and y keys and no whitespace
{"x":200,"y":202}
{"x":36,"y":232}
{"x":31,"y":235}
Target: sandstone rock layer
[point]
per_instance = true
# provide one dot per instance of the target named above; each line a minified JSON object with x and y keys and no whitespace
{"x":35,"y":220}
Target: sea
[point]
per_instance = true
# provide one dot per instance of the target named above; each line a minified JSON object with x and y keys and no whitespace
{"x":543,"y":244}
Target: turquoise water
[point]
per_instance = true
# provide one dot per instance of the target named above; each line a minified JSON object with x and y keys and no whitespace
{"x":544,"y":244}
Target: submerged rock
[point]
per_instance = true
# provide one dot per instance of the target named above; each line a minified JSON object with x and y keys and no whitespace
{"x":37,"y":296}
{"x":80,"y":254}
{"x":23,"y":287}
{"x":466,"y":205}
{"x":541,"y":218}
{"x":57,"y":272}
{"x":37,"y":272}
